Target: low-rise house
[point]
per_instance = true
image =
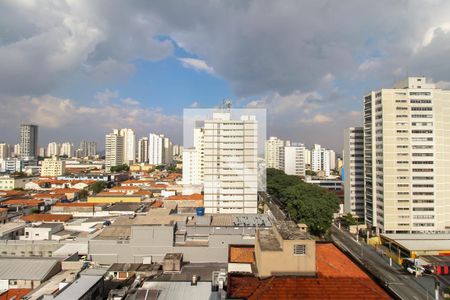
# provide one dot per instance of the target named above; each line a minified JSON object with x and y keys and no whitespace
{"x":25,"y":272}
{"x":25,"y":206}
{"x":195,"y":200}
{"x":80,"y":209}
{"x":114,"y":197}
{"x":41,"y":232}
{"x":11,"y":230}
{"x":14,"y":182}
{"x":50,"y":198}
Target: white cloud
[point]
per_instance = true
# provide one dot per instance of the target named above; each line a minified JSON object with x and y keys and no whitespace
{"x":369,"y":65}
{"x":111,"y":70}
{"x":106,"y":96}
{"x":317,"y":119}
{"x":195,"y":104}
{"x":130,"y":101}
{"x":196,"y":64}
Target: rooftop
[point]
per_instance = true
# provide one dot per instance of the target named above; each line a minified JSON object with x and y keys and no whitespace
{"x":202,"y":270}
{"x":79,"y":287}
{"x":22,"y":202}
{"x":10,"y":227}
{"x":46,"y":218}
{"x":421,"y":242}
{"x":25,"y":268}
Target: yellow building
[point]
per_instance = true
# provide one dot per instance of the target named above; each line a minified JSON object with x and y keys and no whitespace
{"x":114,"y":197}
{"x":285,"y":250}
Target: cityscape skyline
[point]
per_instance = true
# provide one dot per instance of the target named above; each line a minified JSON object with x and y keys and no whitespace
{"x":312,"y":84}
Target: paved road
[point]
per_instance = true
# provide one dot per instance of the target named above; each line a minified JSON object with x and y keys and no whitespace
{"x":403,"y":285}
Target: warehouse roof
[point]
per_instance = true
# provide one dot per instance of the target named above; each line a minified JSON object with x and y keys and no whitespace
{"x":25,"y":269}
{"x":79,"y":287}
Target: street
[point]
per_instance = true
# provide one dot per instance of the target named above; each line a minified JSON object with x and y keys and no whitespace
{"x":403,"y":285}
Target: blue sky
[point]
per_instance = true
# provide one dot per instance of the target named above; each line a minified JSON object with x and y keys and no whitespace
{"x":80,"y":68}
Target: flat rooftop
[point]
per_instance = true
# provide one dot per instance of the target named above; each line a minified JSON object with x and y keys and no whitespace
{"x":202,"y":270}
{"x":421,"y":242}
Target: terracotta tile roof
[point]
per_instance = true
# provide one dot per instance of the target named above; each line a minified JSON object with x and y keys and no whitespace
{"x":158,"y":186}
{"x":125,"y":188}
{"x":157,"y":204}
{"x":14,"y":294}
{"x":28,"y":202}
{"x":242,"y":254}
{"x":66,"y":190}
{"x":146,"y":181}
{"x":338,"y":278}
{"x":12,"y":193}
{"x":3,"y":209}
{"x":46,"y":218}
{"x":143,"y":193}
{"x":186,"y":197}
{"x":108,"y":193}
{"x":48,"y":195}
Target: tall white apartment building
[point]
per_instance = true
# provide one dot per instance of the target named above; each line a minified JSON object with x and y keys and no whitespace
{"x":16,"y":151}
{"x":143,"y":150}
{"x":230,"y":164}
{"x":53,"y":149}
{"x":42,"y":152}
{"x":129,"y":144}
{"x":52,"y":167}
{"x":307,"y":157}
{"x":332,"y":159}
{"x":4,"y":151}
{"x":193,"y":160}
{"x":294,"y":159}
{"x":66,"y":149}
{"x":320,"y":159}
{"x":406,"y":154}
{"x":87,"y":149}
{"x":114,"y":148}
{"x":354,"y":171}
{"x":275,"y":153}
{"x":159,"y":149}
{"x":28,"y":140}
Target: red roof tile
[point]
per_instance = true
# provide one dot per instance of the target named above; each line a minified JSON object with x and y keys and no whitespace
{"x":14,"y":294}
{"x":27,"y":202}
{"x":46,"y":218}
{"x":186,"y":197}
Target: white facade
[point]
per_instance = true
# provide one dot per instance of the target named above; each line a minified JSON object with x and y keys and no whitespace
{"x":230,"y":164}
{"x":332,"y":159}
{"x":275,"y":153}
{"x":160,"y":149}
{"x":294,"y":160}
{"x":307,"y":157}
{"x":87,"y":149}
{"x":320,"y":159}
{"x":113,"y":150}
{"x":191,"y":167}
{"x":52,"y":167}
{"x":406,"y":154}
{"x":143,"y":150}
{"x":4,"y":151}
{"x":9,"y":183}
{"x":28,"y":140}
{"x":53,"y":149}
{"x":129,"y":144}
{"x":354,"y":171}
{"x":66,"y":149}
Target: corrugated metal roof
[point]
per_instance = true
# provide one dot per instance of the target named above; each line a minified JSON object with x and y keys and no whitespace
{"x":25,"y":269}
{"x":79,"y":287}
{"x":180,"y":290}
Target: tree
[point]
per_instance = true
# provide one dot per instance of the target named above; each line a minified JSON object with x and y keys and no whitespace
{"x":120,"y":168}
{"x":304,"y":202}
{"x":160,"y":167}
{"x":348,"y":220}
{"x":97,"y":187}
{"x":310,"y":173}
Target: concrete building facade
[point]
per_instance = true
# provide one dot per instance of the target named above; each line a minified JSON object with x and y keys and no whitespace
{"x":354,"y":171}
{"x":406,"y":150}
{"x":294,"y":160}
{"x":28,"y":140}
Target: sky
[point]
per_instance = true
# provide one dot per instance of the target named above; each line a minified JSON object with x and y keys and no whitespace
{"x":79,"y":68}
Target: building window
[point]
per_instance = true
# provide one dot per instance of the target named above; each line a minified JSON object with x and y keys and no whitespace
{"x":299,"y":249}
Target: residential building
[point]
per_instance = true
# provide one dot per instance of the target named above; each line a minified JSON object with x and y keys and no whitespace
{"x":87,"y":149}
{"x":332,"y":159}
{"x":307,"y":157}
{"x":275,"y":153}
{"x":53,"y":149}
{"x":52,"y":167}
{"x":4,"y":151}
{"x":230,"y":177}
{"x":28,"y":140}
{"x":8,"y":183}
{"x":129,"y":144}
{"x":320,"y":159}
{"x":42,"y":152}
{"x":159,"y":149}
{"x":11,"y":165}
{"x":294,"y":159}
{"x":113,"y":150}
{"x":406,"y":150}
{"x":142,"y":155}
{"x":354,"y":171}
{"x":66,"y":149}
{"x":193,"y":160}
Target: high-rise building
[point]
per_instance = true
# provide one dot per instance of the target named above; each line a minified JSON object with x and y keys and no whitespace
{"x":320,"y":159}
{"x":129,"y":144}
{"x":159,"y":149}
{"x":332,"y":159}
{"x":66,"y":149}
{"x":16,"y":150}
{"x":28,"y":140}
{"x":168,"y":151}
{"x":230,"y":177}
{"x":406,"y":151}
{"x":52,"y":167}
{"x":143,"y":150}
{"x":275,"y":153}
{"x":4,"y":151}
{"x":87,"y":149}
{"x":307,"y":157}
{"x":113,"y":150}
{"x":53,"y":149}
{"x":42,"y":152}
{"x":354,"y":171}
{"x":294,"y":159}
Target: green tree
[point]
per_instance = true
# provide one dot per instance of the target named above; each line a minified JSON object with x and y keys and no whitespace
{"x":310,"y":173}
{"x":160,"y":167}
{"x":120,"y":168}
{"x":304,"y":202}
{"x":97,"y":187}
{"x":348,"y":220}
